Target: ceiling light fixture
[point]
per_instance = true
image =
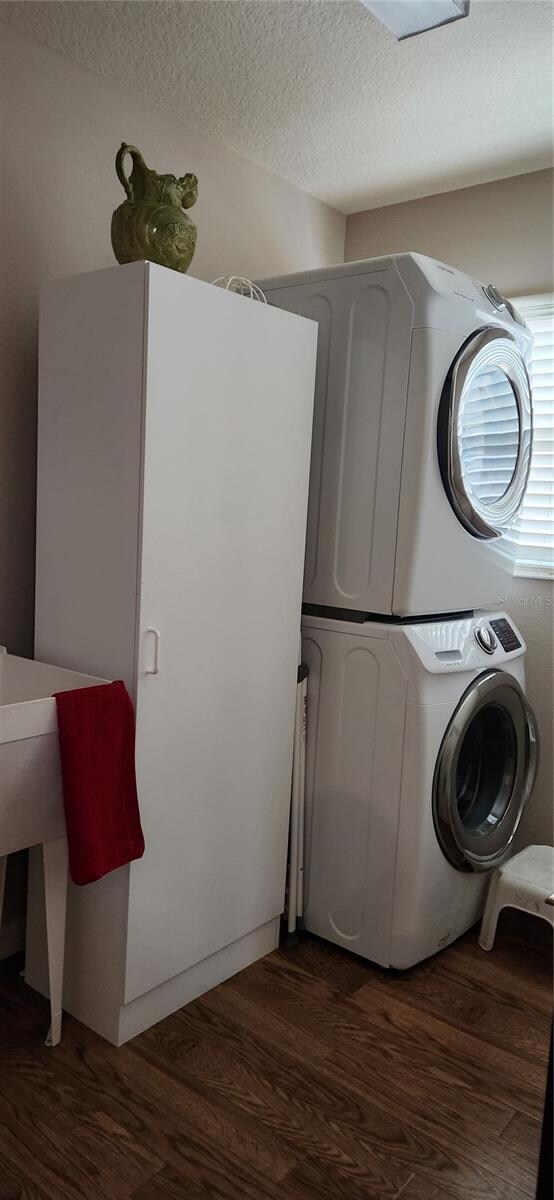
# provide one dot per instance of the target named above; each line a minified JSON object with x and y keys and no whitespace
{"x":405,"y":18}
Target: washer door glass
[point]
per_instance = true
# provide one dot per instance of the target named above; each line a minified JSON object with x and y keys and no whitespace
{"x":485,"y":433}
{"x":484,"y":773}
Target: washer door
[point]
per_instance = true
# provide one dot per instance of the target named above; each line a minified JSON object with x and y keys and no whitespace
{"x":484,"y":433}
{"x":484,"y":773}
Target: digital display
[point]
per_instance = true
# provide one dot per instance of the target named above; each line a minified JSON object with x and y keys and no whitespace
{"x":506,"y":635}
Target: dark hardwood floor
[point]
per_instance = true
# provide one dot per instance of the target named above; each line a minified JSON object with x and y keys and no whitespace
{"x":309,"y":1076}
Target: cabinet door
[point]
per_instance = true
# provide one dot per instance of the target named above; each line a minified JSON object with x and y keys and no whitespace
{"x":228,"y":413}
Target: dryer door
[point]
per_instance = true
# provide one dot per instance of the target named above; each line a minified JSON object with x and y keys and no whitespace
{"x":484,"y":433}
{"x":484,"y":773}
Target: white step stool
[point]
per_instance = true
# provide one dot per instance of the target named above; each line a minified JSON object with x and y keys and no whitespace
{"x":526,"y":882}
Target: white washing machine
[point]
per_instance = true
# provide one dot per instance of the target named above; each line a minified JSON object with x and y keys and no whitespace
{"x":421,"y":755}
{"x":422,"y":436}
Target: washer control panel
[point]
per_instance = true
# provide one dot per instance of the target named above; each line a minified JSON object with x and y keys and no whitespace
{"x":447,"y":645}
{"x":485,"y":638}
{"x":506,"y":634}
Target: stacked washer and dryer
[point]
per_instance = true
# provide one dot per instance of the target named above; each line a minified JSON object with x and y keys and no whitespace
{"x":421,"y":746}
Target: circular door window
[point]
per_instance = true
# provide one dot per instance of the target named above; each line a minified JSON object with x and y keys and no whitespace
{"x":484,"y":773}
{"x":484,"y":433}
{"x":487,"y":770}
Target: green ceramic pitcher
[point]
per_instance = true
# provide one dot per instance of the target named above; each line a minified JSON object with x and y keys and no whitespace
{"x":151,"y":223}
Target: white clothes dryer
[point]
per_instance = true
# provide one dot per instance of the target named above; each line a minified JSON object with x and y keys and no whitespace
{"x":421,"y":755}
{"x":422,"y":436}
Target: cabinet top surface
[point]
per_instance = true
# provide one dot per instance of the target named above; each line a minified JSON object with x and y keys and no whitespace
{"x":143,"y":273}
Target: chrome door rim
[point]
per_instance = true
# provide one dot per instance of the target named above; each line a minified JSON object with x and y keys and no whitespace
{"x":482,"y":852}
{"x":480,"y":519}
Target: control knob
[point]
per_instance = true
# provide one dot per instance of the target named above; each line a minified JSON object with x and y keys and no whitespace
{"x":485,"y":639}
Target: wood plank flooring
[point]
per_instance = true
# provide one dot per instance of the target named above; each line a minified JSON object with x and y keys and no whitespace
{"x":309,"y":1076}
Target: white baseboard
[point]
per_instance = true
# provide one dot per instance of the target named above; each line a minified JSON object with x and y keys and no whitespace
{"x":128,"y":1020}
{"x":147,"y":1010}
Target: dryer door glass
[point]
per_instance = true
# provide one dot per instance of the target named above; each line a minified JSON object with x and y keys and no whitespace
{"x":488,"y":434}
{"x":484,"y":433}
{"x":484,"y":773}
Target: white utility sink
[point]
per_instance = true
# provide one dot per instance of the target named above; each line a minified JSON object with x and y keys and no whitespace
{"x":31,"y":800}
{"x":31,"y":804}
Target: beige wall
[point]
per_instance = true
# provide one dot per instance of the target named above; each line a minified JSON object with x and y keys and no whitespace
{"x":501,"y":233}
{"x":62,"y":126}
{"x":498,"y":232}
{"x":531,"y":605}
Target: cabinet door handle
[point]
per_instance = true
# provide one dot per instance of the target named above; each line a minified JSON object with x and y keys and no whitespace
{"x":155,"y":670}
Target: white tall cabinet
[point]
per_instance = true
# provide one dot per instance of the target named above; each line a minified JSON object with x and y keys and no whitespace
{"x":174,"y":443}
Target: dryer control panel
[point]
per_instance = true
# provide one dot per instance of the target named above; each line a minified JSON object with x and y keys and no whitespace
{"x":506,"y":634}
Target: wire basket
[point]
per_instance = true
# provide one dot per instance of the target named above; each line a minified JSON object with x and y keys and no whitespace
{"x":240,"y":285}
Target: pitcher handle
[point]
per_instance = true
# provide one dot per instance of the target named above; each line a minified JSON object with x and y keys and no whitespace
{"x":119,"y":159}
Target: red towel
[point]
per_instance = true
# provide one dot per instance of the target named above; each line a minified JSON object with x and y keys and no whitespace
{"x":97,"y":747}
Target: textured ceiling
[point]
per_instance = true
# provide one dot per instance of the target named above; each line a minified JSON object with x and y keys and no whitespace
{"x":319,"y":92}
